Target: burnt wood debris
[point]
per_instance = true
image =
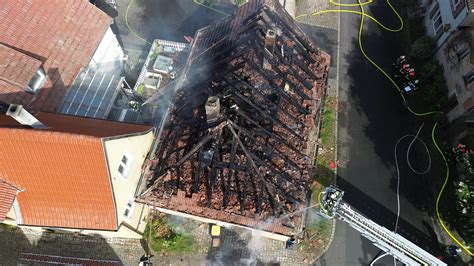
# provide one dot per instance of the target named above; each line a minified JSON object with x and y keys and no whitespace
{"x":238,"y":141}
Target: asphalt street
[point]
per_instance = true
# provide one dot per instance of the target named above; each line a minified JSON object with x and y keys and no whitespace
{"x":371,"y":121}
{"x":157,"y":19}
{"x":370,"y":118}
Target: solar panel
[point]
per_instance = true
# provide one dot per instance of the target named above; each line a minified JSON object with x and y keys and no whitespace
{"x":93,"y":92}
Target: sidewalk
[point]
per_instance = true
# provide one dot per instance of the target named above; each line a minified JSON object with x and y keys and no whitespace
{"x":305,"y":9}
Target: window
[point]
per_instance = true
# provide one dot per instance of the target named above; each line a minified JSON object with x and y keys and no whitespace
{"x":455,"y":3}
{"x":469,"y":77}
{"x":124,"y":166}
{"x":128,"y":213}
{"x":37,"y":81}
{"x":462,"y":50}
{"x":437,"y":22}
{"x":452,"y":101}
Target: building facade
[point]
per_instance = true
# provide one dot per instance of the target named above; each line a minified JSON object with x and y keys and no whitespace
{"x":59,"y":56}
{"x":450,"y":23}
{"x":72,"y":174}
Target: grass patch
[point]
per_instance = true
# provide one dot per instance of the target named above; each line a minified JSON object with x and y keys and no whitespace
{"x":322,"y":228}
{"x":318,"y":229}
{"x":327,"y":148}
{"x":8,"y":227}
{"x":165,"y":237}
{"x":329,"y":123}
{"x":239,"y":2}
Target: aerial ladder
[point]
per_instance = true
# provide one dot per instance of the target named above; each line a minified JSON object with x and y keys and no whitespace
{"x":392,"y":243}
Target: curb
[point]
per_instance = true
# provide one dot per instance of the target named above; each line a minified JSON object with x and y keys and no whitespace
{"x":333,"y":232}
{"x":333,"y":223}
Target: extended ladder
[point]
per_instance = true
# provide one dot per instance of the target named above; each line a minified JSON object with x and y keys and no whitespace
{"x":390,"y":242}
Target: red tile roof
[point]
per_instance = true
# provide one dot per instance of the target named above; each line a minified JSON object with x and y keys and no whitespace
{"x":62,"y":34}
{"x":63,"y":176}
{"x":62,"y":170}
{"x":16,"y":69}
{"x":7,"y":195}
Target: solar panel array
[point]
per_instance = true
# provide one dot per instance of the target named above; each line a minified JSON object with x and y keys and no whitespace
{"x":92,"y":94}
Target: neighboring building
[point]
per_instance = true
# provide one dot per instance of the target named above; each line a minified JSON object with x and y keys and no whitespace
{"x":154,"y":85}
{"x":59,"y":56}
{"x":237,"y":146}
{"x":451,"y":23}
{"x":442,"y":17}
{"x":70,"y":173}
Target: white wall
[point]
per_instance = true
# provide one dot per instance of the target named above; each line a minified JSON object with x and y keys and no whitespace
{"x":109,"y":49}
{"x":447,"y":17}
{"x":136,"y":149}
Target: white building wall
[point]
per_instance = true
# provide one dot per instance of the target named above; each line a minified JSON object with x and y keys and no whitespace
{"x":109,"y":49}
{"x":135,"y":149}
{"x":447,"y":18}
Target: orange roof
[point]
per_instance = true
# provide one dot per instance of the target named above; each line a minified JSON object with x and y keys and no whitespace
{"x":7,"y":195}
{"x":63,"y":35}
{"x":62,"y":170}
{"x":63,"y":176}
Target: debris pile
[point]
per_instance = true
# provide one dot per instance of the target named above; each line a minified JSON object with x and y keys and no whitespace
{"x":234,"y":146}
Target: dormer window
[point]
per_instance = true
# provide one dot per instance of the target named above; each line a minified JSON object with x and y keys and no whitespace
{"x":37,"y":81}
{"x":124,"y":166}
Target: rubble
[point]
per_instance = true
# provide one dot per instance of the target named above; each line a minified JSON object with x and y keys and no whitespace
{"x":234,"y":145}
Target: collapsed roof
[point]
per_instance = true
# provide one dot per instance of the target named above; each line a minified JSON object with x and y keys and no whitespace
{"x":236,"y":145}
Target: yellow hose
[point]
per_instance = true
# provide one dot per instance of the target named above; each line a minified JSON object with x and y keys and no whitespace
{"x":363,"y":15}
{"x":211,"y":8}
{"x":128,"y":26}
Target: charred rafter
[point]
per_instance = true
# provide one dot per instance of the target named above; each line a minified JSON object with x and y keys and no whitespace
{"x":238,"y":131}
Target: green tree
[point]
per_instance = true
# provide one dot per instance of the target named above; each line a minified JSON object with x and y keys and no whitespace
{"x":423,"y":48}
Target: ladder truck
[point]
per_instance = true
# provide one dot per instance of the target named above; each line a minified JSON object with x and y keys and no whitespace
{"x":392,"y":243}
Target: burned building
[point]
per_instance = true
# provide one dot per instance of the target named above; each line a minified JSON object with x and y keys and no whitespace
{"x":237,"y":144}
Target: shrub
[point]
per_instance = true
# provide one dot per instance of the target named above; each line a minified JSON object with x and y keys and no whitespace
{"x":423,"y":48}
{"x":433,"y":95}
{"x":239,"y":2}
{"x":140,"y":89}
{"x":164,"y":237}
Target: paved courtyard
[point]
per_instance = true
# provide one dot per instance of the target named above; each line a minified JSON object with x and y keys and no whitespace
{"x":238,"y":247}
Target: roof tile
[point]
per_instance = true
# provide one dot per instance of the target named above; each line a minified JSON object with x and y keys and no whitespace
{"x":32,"y":162}
{"x":16,"y":67}
{"x":52,"y":30}
{"x":61,"y":170}
{"x":7,"y":195}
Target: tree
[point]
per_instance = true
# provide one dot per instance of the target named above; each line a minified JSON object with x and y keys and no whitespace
{"x":423,"y":48}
